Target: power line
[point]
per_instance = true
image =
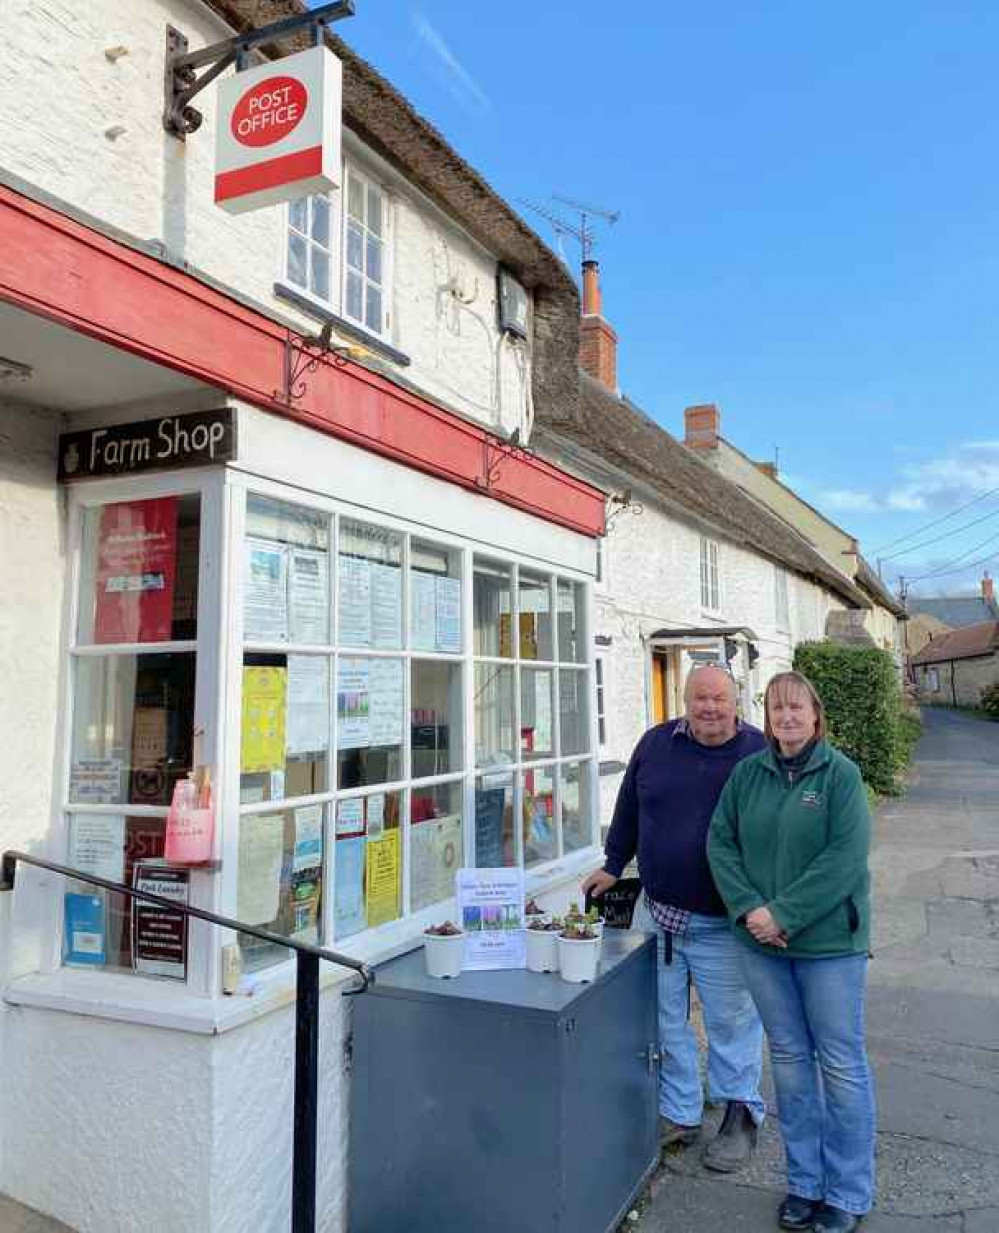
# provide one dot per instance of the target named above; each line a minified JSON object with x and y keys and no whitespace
{"x":936,"y":522}
{"x":942,"y":573}
{"x":946,"y":569}
{"x":905,"y":552}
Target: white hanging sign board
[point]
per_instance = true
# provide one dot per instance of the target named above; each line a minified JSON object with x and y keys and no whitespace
{"x":278,"y":131}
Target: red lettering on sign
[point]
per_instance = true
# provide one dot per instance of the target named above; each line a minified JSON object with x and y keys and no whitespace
{"x":269,"y":111}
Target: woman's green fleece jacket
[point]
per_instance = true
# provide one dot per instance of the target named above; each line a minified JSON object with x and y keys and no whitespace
{"x":797,"y":844}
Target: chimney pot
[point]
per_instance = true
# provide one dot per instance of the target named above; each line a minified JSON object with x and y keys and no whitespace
{"x":988,"y":588}
{"x":701,"y":425}
{"x":597,"y":340}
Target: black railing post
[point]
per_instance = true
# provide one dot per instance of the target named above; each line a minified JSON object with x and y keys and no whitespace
{"x":303,"y":1166}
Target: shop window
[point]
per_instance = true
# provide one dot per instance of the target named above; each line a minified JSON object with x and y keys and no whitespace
{"x":435,"y":843}
{"x":369,"y":586}
{"x":285,"y":733}
{"x":571,"y":599}
{"x":367,"y":863}
{"x":309,"y":253}
{"x":492,"y":602}
{"x":575,"y":793}
{"x":540,"y":832}
{"x":436,"y":718}
{"x":495,"y":842}
{"x":537,"y":729}
{"x":574,"y":711}
{"x":494,"y":714}
{"x":535,"y":603}
{"x":369,"y":709}
{"x":286,"y":589}
{"x":434,"y":598}
{"x":365,"y":298}
{"x":600,"y":670}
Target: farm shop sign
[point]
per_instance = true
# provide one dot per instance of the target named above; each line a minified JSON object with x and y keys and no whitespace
{"x":278,"y":131}
{"x":200,"y":439}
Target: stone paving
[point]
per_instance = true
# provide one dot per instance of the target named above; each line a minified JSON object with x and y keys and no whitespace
{"x":933,"y":1019}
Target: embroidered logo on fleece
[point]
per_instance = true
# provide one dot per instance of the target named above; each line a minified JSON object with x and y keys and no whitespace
{"x":812,"y":800}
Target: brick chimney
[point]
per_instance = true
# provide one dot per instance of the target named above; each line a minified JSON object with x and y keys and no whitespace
{"x":597,"y":341}
{"x":768,"y":468}
{"x":988,"y":589}
{"x":700,"y":427}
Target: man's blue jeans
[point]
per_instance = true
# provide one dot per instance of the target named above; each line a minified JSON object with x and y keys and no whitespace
{"x":813,"y":1011}
{"x":705,"y":954}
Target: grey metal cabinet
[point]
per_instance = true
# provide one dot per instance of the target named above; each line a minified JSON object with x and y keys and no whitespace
{"x":503,"y":1102}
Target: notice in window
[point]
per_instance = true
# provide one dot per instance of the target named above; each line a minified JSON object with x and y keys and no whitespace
{"x":386,"y":701}
{"x":386,"y":606}
{"x":261,"y":848}
{"x":265,"y":591}
{"x":159,"y":935}
{"x":95,"y":781}
{"x":423,"y":611}
{"x":374,"y":810}
{"x":308,"y":838}
{"x":436,"y":852}
{"x":353,"y":704}
{"x":348,"y":896}
{"x":97,"y":845}
{"x":84,"y":928}
{"x":265,"y":700}
{"x":491,"y":905}
{"x":308,"y":593}
{"x":448,"y":602}
{"x":308,"y":723}
{"x":382,"y":882}
{"x":136,"y":564}
{"x":355,"y":601}
{"x":350,"y":817}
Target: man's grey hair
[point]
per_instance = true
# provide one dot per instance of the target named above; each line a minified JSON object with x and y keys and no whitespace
{"x":716,"y":667}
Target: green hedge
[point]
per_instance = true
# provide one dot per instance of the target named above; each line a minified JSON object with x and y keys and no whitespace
{"x":860,"y":691}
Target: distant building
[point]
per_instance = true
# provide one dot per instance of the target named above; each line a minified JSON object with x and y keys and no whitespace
{"x":955,"y":667}
{"x":959,"y":611}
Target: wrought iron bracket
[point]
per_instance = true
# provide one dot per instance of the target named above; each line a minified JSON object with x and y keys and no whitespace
{"x":303,"y":354}
{"x":180,"y":78}
{"x":494,"y":455}
{"x":618,"y":502}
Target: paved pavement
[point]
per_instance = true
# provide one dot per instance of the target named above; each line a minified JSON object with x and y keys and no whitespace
{"x":933,"y":1019}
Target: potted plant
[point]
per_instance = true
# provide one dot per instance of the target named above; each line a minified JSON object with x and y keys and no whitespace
{"x":444,"y":948}
{"x":578,"y":952}
{"x":542,"y":944}
{"x":534,"y":911}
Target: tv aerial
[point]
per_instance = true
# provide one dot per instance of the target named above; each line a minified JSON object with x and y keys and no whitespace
{"x":582,"y":230}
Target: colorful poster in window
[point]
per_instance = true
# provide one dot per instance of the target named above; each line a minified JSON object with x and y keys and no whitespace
{"x":382,"y":882}
{"x":308,"y":838}
{"x":353,"y":704}
{"x":84,"y":928}
{"x":159,"y":935}
{"x":265,"y":591}
{"x":491,"y":907}
{"x":350,"y":817}
{"x":136,"y":570}
{"x":265,"y":708}
{"x":348,"y":895}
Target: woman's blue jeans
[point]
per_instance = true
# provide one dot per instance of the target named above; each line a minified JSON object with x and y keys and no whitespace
{"x":813,"y":1014}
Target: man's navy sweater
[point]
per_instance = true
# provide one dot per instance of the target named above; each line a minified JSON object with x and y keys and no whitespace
{"x":663,"y":810}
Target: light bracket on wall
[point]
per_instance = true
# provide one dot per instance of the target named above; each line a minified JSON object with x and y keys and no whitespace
{"x":618,"y":502}
{"x":303,"y":354}
{"x":494,"y":455}
{"x":180,"y":78}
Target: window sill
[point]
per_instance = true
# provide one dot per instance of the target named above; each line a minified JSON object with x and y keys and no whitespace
{"x":314,"y":309}
{"x":162,"y":1004}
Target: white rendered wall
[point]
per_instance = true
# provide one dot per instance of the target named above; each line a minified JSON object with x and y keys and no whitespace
{"x":156,"y":188}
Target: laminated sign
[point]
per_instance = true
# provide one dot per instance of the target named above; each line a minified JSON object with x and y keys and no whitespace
{"x":278,"y":131}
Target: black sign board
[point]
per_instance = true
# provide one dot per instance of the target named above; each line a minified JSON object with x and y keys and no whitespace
{"x":198,"y":439}
{"x":617,"y":905}
{"x":489,"y":806}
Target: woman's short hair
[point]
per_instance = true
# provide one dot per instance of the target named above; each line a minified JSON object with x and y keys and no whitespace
{"x":781,"y":687}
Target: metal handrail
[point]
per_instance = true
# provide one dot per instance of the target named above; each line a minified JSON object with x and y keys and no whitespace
{"x":303,"y":1177}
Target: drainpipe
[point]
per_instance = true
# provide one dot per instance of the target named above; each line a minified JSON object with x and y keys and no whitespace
{"x":953,"y":683}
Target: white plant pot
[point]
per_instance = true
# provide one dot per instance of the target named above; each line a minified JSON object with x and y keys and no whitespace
{"x":544,"y":917}
{"x":578,"y":959}
{"x":444,"y":954}
{"x":542,"y":950}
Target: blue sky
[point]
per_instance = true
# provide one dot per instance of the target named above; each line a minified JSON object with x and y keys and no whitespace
{"x":809,"y":231}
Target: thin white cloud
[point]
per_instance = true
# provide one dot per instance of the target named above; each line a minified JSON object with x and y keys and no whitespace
{"x":965,"y":471}
{"x":847,"y":499}
{"x":458,"y":79}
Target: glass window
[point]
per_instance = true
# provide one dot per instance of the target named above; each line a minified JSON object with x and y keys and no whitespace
{"x":436,"y":718}
{"x":576,"y":812}
{"x":709,"y":574}
{"x":364,"y":268}
{"x":435,"y":843}
{"x":536,"y":641}
{"x":139,"y":571}
{"x":571,"y":609}
{"x":286,"y":590}
{"x":369,"y":704}
{"x":285,"y":737}
{"x":539,"y":816}
{"x":310,"y":251}
{"x":574,"y":711}
{"x":494,"y":715}
{"x":537,"y":737}
{"x":370,"y":586}
{"x":367,"y":870}
{"x":598,"y":667}
{"x":492,"y":603}
{"x":495,"y":843}
{"x":434,"y":598}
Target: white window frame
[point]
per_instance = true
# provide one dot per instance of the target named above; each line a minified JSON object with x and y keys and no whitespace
{"x":710,"y":575}
{"x":335,"y":233}
{"x":782,"y":599}
{"x":600,"y":668}
{"x":368,"y":181}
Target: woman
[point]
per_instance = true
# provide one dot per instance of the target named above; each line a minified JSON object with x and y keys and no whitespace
{"x":788,"y":849}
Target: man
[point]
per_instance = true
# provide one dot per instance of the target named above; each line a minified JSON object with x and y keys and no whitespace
{"x":663,"y":809}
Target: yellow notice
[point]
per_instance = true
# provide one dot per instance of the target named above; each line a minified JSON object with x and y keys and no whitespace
{"x":265,"y":707}
{"x":381,"y":878}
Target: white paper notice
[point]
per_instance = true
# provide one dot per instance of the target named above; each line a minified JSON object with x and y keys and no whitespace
{"x":258,"y":890}
{"x":353,"y":703}
{"x":308,"y":586}
{"x":386,"y":606}
{"x":265,"y":591}
{"x":375,"y":808}
{"x":350,"y":817}
{"x":97,"y":845}
{"x":308,"y":721}
{"x":491,"y":905}
{"x":308,"y":838}
{"x":436,"y":853}
{"x":355,"y":601}
{"x":423,"y":611}
{"x":386,"y":701}
{"x":448,"y":605}
{"x":542,"y":712}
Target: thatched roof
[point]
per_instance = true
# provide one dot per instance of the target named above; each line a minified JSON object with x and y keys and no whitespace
{"x":619,"y":432}
{"x":389,"y":125}
{"x":868,"y":581}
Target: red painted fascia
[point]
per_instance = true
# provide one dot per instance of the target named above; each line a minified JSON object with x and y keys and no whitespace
{"x":60,"y":269}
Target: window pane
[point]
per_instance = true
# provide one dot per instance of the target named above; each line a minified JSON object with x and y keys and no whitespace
{"x":133,"y":717}
{"x":494,"y":717}
{"x":285,"y":573}
{"x":321,"y":220}
{"x":494,"y":836}
{"x":535,"y":618}
{"x":367,"y":886}
{"x":370,"y":586}
{"x":298,"y":214}
{"x":571,"y":607}
{"x":355,"y":198}
{"x":574,"y":710}
{"x":374,"y":265}
{"x":436,"y":720}
{"x":374,"y":210}
{"x":139,"y":571}
{"x":298,"y":260}
{"x":355,"y":296}
{"x":279,"y":880}
{"x":355,"y":247}
{"x":539,"y":816}
{"x":320,"y":275}
{"x":492,"y":609}
{"x":536,"y":736}
{"x":434,"y":598}
{"x":373,"y":309}
{"x":577,"y":826}
{"x":284,"y":745}
{"x":435,"y":843}
{"x":369,"y":701}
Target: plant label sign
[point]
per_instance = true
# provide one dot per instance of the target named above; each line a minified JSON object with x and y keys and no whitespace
{"x":278,"y":131}
{"x":491,"y":905}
